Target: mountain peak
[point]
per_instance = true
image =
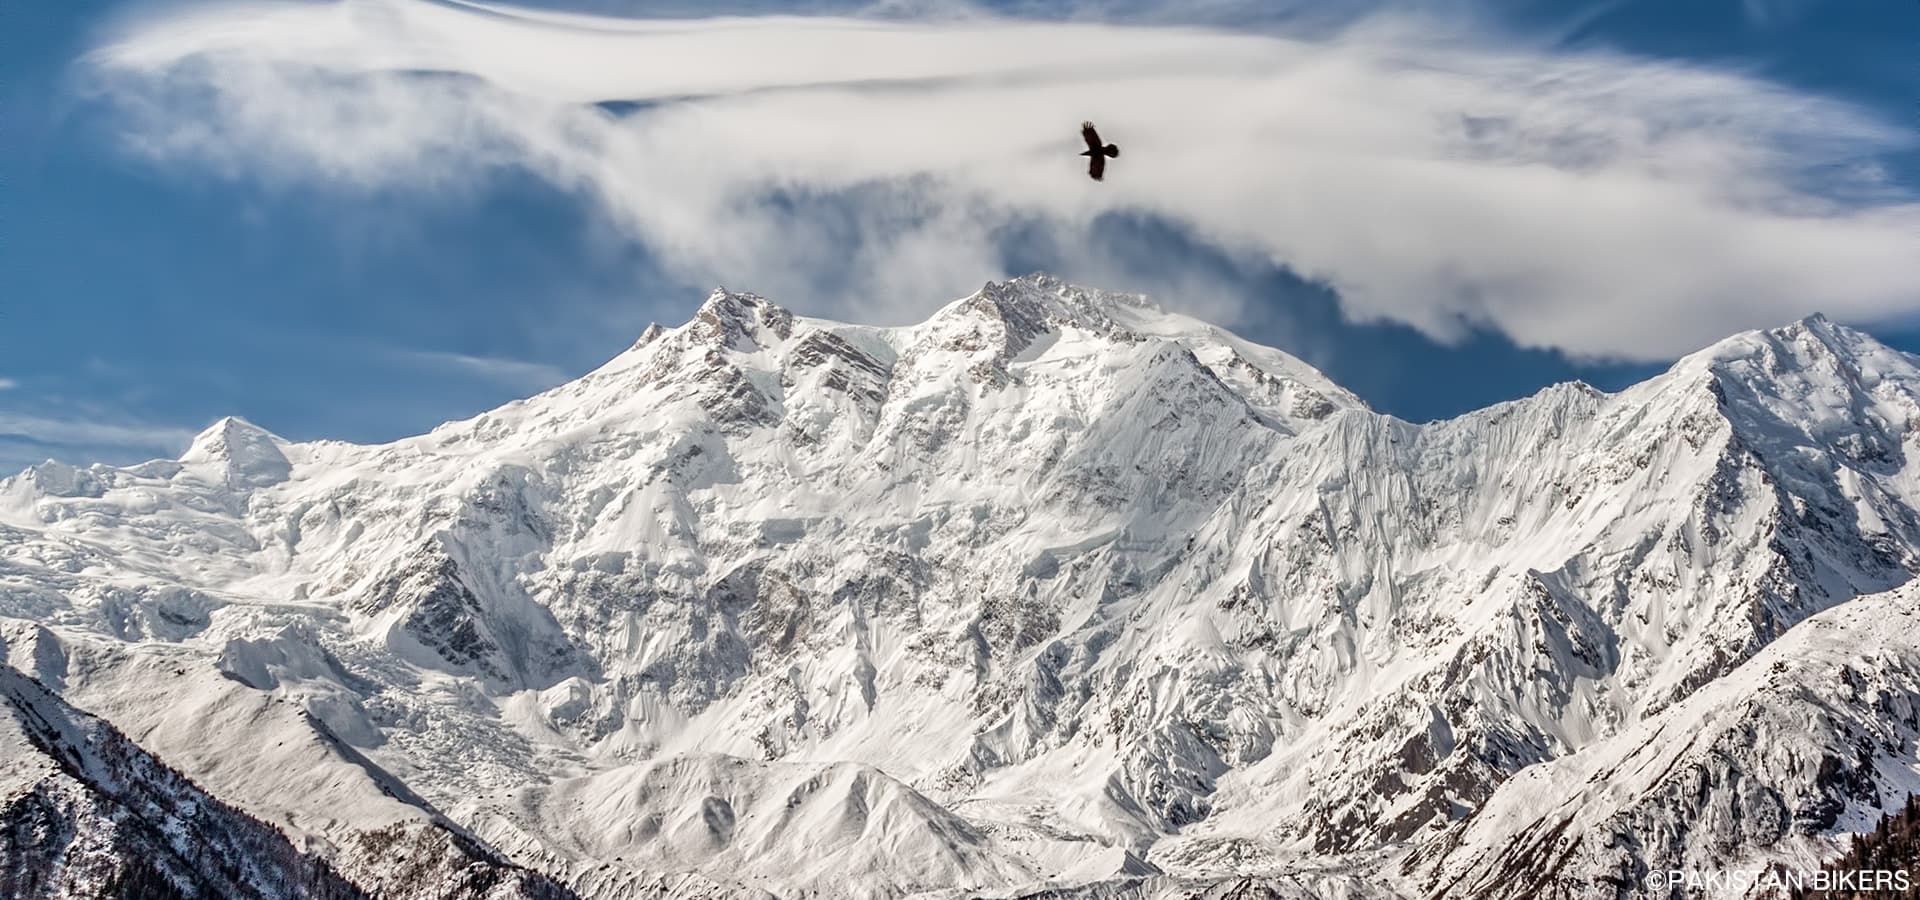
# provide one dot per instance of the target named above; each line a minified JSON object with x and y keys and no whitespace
{"x":1039,"y":302}
{"x":736,"y":319}
{"x":250,"y":454}
{"x":1823,"y":329}
{"x":1072,"y":299}
{"x":1808,"y":344}
{"x":652,"y":333}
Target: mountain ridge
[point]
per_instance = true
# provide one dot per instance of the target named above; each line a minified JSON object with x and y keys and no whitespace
{"x":735,"y":306}
{"x":1063,"y":582}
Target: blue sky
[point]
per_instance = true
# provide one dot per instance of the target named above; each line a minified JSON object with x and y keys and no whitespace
{"x":176,"y":254}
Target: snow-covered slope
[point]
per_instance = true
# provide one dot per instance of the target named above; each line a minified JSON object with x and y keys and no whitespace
{"x":85,"y":813}
{"x":1808,"y":736}
{"x":1056,"y":590}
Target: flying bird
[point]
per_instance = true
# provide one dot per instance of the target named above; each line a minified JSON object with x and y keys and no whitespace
{"x":1096,"y":151}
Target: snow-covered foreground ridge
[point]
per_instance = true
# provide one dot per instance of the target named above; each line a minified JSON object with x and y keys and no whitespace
{"x":1054,"y":590}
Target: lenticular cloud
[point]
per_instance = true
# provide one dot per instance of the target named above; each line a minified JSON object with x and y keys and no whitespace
{"x":1566,"y":199}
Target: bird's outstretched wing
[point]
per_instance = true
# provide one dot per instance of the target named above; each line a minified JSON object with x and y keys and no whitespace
{"x":1093,"y":139}
{"x":1097,"y":165}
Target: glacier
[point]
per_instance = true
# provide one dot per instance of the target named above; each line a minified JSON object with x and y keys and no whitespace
{"x":1056,"y":592}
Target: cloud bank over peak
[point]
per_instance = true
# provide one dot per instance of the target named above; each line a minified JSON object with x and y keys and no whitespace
{"x":865,"y":167}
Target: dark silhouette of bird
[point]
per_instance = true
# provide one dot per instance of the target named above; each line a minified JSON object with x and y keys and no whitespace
{"x":1097,"y":152}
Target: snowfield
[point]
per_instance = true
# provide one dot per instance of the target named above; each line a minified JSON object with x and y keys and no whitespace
{"x":1056,"y":591}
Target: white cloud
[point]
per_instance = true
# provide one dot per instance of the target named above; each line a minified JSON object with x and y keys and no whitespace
{"x":1601,"y":204}
{"x":7,"y":384}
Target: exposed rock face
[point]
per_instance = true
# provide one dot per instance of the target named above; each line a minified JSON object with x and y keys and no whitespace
{"x":1054,"y":592}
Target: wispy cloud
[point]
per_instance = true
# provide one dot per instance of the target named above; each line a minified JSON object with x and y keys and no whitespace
{"x":510,"y":372}
{"x":869,"y":167}
{"x":89,"y":439}
{"x":7,"y":384}
{"x":1775,"y":13}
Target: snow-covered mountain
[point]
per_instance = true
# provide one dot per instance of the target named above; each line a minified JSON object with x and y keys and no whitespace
{"x":1054,"y":591}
